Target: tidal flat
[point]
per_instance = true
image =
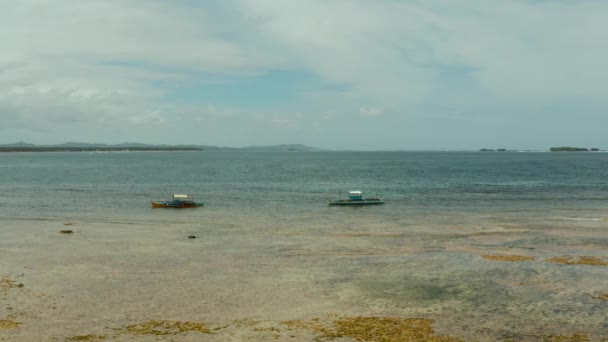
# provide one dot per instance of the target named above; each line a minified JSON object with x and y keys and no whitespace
{"x":248,"y":277}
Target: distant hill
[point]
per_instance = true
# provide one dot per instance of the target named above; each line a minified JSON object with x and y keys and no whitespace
{"x":19,"y":144}
{"x":283,"y":147}
{"x":79,"y":146}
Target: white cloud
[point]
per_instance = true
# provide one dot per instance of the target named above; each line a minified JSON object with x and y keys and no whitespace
{"x":72,"y":63}
{"x":370,"y":111}
{"x":395,"y":51}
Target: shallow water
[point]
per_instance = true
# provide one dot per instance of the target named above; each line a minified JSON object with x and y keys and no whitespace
{"x":269,"y":248}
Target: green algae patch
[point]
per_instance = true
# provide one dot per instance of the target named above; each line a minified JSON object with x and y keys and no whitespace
{"x":167,"y":327}
{"x":6,"y":324}
{"x":89,"y":337}
{"x":375,"y":329}
{"x":582,"y":260}
{"x":507,"y":257}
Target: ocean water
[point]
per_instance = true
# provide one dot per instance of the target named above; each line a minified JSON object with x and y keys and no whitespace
{"x":266,"y":223}
{"x":102,"y":185}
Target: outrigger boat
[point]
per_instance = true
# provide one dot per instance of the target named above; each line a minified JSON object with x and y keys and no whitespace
{"x":178,"y":201}
{"x":356,"y":198}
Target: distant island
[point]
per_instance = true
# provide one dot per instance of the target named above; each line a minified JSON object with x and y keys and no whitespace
{"x":87,"y":147}
{"x":573,"y":149}
{"x":493,"y":150}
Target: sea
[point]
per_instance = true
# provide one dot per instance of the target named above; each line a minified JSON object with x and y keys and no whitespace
{"x":266,"y":219}
{"x":110,"y":185}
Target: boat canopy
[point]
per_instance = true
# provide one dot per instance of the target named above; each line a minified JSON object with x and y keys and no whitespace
{"x":355,"y":195}
{"x":179,"y":196}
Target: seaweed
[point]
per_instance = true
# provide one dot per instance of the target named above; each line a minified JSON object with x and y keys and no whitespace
{"x":276,"y":333}
{"x":581,"y":260}
{"x":167,"y":327}
{"x":7,"y":283}
{"x":6,"y":324}
{"x":89,"y":337}
{"x":562,"y":338}
{"x":375,"y":329}
{"x":507,"y":257}
{"x":603,"y":296}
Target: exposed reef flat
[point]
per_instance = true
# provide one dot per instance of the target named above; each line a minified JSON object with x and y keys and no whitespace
{"x":259,"y":278}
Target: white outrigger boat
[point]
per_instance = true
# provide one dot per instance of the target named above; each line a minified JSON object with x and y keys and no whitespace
{"x":178,"y":201}
{"x":356,"y":198}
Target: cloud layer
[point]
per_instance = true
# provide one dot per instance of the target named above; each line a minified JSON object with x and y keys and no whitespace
{"x":413,"y":74}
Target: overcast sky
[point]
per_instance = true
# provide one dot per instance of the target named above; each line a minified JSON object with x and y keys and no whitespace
{"x":382,"y":74}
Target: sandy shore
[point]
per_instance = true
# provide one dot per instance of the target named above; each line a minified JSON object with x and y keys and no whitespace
{"x":147,"y":281}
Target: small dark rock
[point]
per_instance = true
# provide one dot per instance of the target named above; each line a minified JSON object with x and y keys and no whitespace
{"x":67,"y":231}
{"x":192,"y":237}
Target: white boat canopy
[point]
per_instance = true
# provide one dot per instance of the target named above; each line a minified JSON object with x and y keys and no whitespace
{"x":355,"y":193}
{"x":180,"y":196}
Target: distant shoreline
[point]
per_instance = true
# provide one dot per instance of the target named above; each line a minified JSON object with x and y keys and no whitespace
{"x":138,"y":147}
{"x":98,"y":149}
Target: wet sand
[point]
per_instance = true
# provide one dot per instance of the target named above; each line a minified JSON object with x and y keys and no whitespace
{"x":262,"y":279}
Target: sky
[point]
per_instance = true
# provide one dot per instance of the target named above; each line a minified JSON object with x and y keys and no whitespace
{"x":338,"y":74}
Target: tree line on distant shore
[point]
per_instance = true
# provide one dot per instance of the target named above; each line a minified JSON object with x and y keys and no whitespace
{"x":93,"y":149}
{"x":573,"y":149}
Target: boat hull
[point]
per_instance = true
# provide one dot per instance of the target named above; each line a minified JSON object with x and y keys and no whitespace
{"x":177,"y":205}
{"x":369,"y":201}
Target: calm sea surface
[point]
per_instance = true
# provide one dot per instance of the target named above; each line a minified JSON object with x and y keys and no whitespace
{"x":270,"y":248}
{"x":104,"y":185}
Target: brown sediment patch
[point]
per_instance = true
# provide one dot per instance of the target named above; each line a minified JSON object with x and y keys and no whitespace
{"x":507,"y":257}
{"x":246,"y":322}
{"x":602,"y":296}
{"x":7,"y":282}
{"x":89,"y":337}
{"x":276,"y":333}
{"x":350,"y":254}
{"x":582,"y":260}
{"x":167,"y":327}
{"x":562,"y":338}
{"x":378,"y":235}
{"x":374,"y":329}
{"x":67,"y":231}
{"x":6,"y":324}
